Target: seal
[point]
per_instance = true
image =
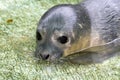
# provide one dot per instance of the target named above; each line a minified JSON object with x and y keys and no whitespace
{"x":88,"y":32}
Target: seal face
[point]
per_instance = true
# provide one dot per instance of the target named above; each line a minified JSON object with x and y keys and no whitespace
{"x":60,"y":30}
{"x":55,"y":32}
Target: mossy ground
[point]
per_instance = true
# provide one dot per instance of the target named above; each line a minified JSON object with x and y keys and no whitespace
{"x":18,"y":20}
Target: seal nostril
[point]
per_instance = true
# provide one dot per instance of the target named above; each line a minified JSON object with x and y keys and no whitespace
{"x":45,"y":57}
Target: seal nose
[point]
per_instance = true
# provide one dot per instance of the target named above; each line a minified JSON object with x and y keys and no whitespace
{"x":44,"y":56}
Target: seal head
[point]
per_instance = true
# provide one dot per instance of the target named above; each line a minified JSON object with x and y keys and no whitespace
{"x":59,"y":31}
{"x":55,"y":32}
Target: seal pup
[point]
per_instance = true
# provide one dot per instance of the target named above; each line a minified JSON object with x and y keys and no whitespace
{"x":90,"y":29}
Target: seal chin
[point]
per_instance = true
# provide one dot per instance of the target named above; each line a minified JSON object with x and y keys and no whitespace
{"x":54,"y":58}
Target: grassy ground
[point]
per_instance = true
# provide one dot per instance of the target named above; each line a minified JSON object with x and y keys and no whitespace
{"x":18,"y":19}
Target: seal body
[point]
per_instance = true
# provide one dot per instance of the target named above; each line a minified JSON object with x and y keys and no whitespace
{"x":66,"y":29}
{"x":105,"y":19}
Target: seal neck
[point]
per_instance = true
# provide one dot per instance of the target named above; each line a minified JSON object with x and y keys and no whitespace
{"x":82,"y":27}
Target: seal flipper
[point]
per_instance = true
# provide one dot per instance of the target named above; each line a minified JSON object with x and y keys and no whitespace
{"x":96,"y":54}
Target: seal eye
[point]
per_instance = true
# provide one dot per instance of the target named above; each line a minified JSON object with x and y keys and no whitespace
{"x":63,"y":39}
{"x":38,"y":36}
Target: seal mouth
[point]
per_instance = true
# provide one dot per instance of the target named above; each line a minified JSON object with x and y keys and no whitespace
{"x":53,"y":58}
{"x":48,"y":57}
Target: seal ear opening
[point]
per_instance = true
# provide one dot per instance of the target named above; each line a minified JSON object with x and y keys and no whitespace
{"x":38,"y":36}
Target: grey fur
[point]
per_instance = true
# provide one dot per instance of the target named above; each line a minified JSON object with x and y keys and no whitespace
{"x":105,"y":18}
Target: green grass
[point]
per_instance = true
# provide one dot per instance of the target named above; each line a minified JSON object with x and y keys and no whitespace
{"x":18,"y":20}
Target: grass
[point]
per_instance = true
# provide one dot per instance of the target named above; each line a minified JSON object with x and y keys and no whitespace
{"x":18,"y":20}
